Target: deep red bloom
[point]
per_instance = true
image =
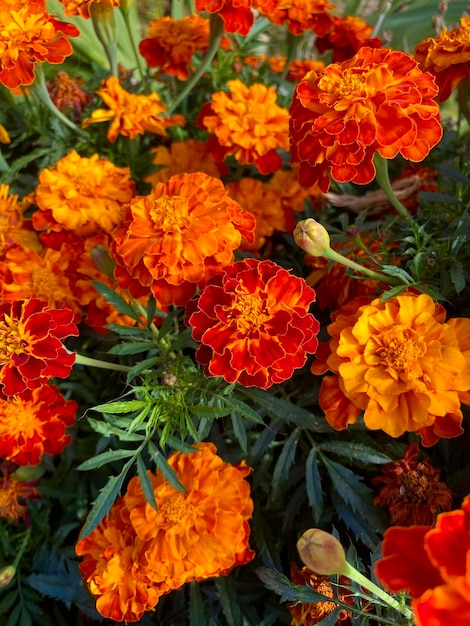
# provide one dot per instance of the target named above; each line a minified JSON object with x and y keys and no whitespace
{"x":31,"y":349}
{"x":253,"y":324}
{"x":236,"y":14}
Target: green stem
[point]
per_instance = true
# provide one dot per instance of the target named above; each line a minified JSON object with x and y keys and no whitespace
{"x":89,"y":362}
{"x":216,"y":32}
{"x":105,"y":27}
{"x":126,"y":13}
{"x":381,"y":167}
{"x":361,"y":580}
{"x":40,"y":89}
{"x":22,"y":548}
{"x":384,"y":8}
{"x":339,"y":258}
{"x":292,"y":46}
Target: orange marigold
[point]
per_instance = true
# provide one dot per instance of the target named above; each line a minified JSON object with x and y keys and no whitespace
{"x":131,"y":114}
{"x":410,"y":490}
{"x":15,"y":230}
{"x":346,"y":36}
{"x":377,"y":101}
{"x":31,"y":349}
{"x":299,"y":15}
{"x":247,"y":123}
{"x":28,"y":36}
{"x":237,"y":15}
{"x":401,"y":363}
{"x":432,"y":564}
{"x":138,"y":553}
{"x":180,"y":235}
{"x":447,"y":57}
{"x":254,"y":324}
{"x":13,"y":492}
{"x":84,"y":193}
{"x":83,"y":7}
{"x":34,"y":423}
{"x":182,"y":157}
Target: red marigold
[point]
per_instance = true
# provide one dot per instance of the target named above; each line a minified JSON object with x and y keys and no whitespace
{"x":400,"y":363}
{"x":377,"y":101}
{"x":253,"y":324}
{"x":13,"y":492}
{"x":447,"y":57}
{"x":67,"y":93}
{"x":179,"y":236}
{"x":31,"y":349}
{"x":432,"y":564}
{"x":299,"y":15}
{"x":247,"y":123}
{"x":236,"y":14}
{"x":28,"y":36}
{"x":34,"y":423}
{"x":346,"y":36}
{"x":411,"y":491}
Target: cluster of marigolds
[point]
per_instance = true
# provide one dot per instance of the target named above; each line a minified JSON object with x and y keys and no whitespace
{"x":399,"y":363}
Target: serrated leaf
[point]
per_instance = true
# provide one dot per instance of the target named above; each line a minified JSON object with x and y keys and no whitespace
{"x":146,"y":483}
{"x":313,"y":485}
{"x":457,"y":276}
{"x":116,"y":300}
{"x":209,"y":412}
{"x":104,"y":458}
{"x":126,"y":406}
{"x":243,"y":409}
{"x":138,"y":368}
{"x":229,"y":601}
{"x":104,"y":428}
{"x":391,"y":293}
{"x":285,"y":460}
{"x":362,"y":528}
{"x":239,"y":431}
{"x":134,"y":347}
{"x":167,"y":471}
{"x":397,"y":272}
{"x":355,"y":451}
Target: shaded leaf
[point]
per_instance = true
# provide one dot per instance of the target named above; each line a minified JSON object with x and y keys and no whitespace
{"x":104,"y":458}
{"x":146,"y":483}
{"x":355,"y":451}
{"x":313,"y":485}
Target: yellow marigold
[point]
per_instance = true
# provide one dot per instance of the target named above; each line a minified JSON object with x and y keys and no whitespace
{"x":401,"y":363}
{"x":447,"y":57}
{"x":299,"y":15}
{"x":83,"y":7}
{"x":179,"y":236}
{"x":14,"y":228}
{"x":182,"y":157}
{"x":247,"y":123}
{"x":84,"y":191}
{"x":131,"y":114}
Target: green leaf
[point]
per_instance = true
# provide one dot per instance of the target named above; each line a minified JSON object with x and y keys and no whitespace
{"x":229,"y":601}
{"x":209,"y":412}
{"x":284,"y":462}
{"x":116,"y":301}
{"x":313,"y":485}
{"x":137,"y":369}
{"x":196,"y":605}
{"x":355,"y":451}
{"x":239,"y":431}
{"x":457,"y":276}
{"x":146,"y":483}
{"x":127,"y":406}
{"x":104,"y":428}
{"x":104,"y":458}
{"x":167,"y":471}
{"x":132,"y":348}
{"x":243,"y":409}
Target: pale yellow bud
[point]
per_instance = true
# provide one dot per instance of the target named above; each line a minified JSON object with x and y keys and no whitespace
{"x":7,"y":574}
{"x":321,"y":552}
{"x":312,"y":237}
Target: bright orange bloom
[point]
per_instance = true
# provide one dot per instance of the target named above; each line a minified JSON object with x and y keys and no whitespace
{"x":67,"y":94}
{"x":85,"y":193}
{"x":31,"y":349}
{"x":137,"y":553}
{"x":28,"y":36}
{"x":446,"y":57}
{"x":13,"y":492}
{"x":34,"y":423}
{"x":400,"y":363}
{"x":182,"y":157}
{"x":285,"y":183}
{"x":4,"y":136}
{"x":433,"y":565}
{"x":297,"y":68}
{"x":83,"y":7}
{"x":377,"y":101}
{"x":346,"y":36}
{"x":410,"y":490}
{"x":236,"y":14}
{"x":180,"y":235}
{"x":247,"y":123}
{"x":15,"y":230}
{"x":131,"y":114}
{"x":254,"y":324}
{"x":299,"y":15}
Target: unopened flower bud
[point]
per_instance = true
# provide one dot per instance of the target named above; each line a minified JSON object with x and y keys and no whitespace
{"x":7,"y":574}
{"x":312,"y":237}
{"x":321,"y":552}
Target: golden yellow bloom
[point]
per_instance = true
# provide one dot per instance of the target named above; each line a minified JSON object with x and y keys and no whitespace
{"x":131,"y":114}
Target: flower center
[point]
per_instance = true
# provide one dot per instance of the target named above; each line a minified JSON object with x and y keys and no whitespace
{"x":351,"y":85}
{"x":402,"y":350}
{"x":175,"y":508}
{"x":10,"y":341}
{"x":249,"y":311}
{"x":170,"y":212}
{"x":416,"y":487}
{"x":18,"y":418}
{"x":45,"y":284}
{"x":322,"y":609}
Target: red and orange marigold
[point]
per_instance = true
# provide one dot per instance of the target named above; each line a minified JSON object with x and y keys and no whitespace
{"x":433,"y":565}
{"x":28,"y":36}
{"x":345,"y":37}
{"x":34,"y":423}
{"x":246,"y":122}
{"x":299,"y":15}
{"x":401,"y":363}
{"x":84,"y":8}
{"x":379,"y":101}
{"x":236,"y":15}
{"x":253,"y":323}
{"x":179,"y":236}
{"x":31,"y":349}
{"x":14,"y":492}
{"x":15,"y":229}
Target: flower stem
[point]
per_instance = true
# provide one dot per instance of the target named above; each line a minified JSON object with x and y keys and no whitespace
{"x":360,"y":579}
{"x":381,"y":167}
{"x":216,"y":32}
{"x":40,"y":89}
{"x":126,"y":8}
{"x":339,"y":258}
{"x":89,"y":362}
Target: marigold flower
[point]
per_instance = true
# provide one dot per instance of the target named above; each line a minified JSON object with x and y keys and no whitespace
{"x":34,"y":423}
{"x":84,"y":193}
{"x":446,"y":57}
{"x":83,"y":7}
{"x":67,"y":94}
{"x":28,"y":36}
{"x":432,"y":565}
{"x":310,"y":613}
{"x":411,"y":491}
{"x":400,"y":363}
{"x":345,"y":37}
{"x":299,"y":15}
{"x":31,"y":349}
{"x":4,"y":136}
{"x":15,"y":229}
{"x":377,"y":101}
{"x":292,"y":195}
{"x":131,"y":114}
{"x":138,"y":553}
{"x":182,"y":157}
{"x":253,"y":324}
{"x":236,"y":14}
{"x":180,"y":235}
{"x":13,"y":494}
{"x":247,"y":123}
